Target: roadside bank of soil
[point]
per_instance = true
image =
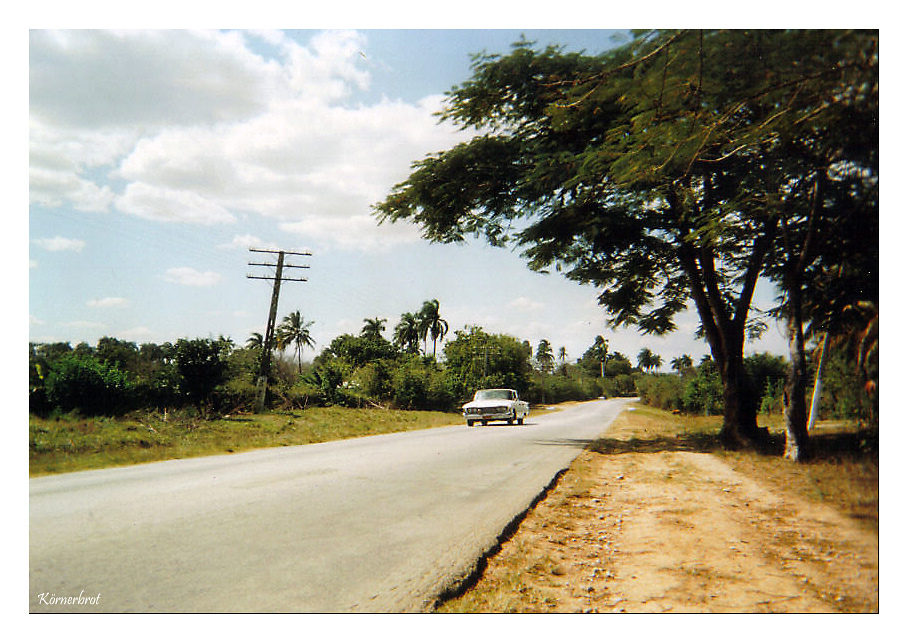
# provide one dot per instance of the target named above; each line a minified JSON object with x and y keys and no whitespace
{"x":646,"y":521}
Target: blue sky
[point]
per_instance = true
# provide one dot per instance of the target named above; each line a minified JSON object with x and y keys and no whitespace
{"x":157,"y":158}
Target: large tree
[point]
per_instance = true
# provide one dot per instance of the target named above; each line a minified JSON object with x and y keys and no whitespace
{"x":476,"y":360}
{"x":642,"y":171}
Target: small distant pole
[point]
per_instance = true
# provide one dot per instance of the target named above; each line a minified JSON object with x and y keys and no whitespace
{"x":269,"y":339}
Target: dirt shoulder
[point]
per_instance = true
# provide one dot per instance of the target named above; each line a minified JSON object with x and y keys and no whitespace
{"x":650,"y":520}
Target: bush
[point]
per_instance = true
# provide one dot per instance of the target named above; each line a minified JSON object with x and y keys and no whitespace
{"x":89,"y":387}
{"x":660,"y":390}
{"x":703,"y":392}
{"x":421,"y":386}
{"x":767,"y":374}
{"x":621,"y":384}
{"x":554,"y":389}
{"x":202,"y":368}
{"x":375,"y":380}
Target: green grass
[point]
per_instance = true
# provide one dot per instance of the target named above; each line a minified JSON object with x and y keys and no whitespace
{"x":69,"y":443}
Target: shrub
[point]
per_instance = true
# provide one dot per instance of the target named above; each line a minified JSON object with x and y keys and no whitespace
{"x":201,"y":367}
{"x":621,"y":384}
{"x":660,"y":390}
{"x":83,"y":384}
{"x":375,"y":380}
{"x":422,"y":386}
{"x":703,"y":392}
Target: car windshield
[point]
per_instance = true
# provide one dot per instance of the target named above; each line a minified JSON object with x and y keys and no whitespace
{"x":495,"y":394}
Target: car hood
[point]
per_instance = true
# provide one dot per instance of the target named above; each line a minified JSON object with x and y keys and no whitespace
{"x":488,"y":402}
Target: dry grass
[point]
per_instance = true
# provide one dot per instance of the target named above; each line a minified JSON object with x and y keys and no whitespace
{"x":68,"y":443}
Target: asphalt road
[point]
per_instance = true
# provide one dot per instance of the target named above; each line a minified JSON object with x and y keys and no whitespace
{"x":376,"y":524}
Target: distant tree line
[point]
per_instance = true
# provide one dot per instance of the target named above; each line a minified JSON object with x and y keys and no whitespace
{"x":367,"y":370}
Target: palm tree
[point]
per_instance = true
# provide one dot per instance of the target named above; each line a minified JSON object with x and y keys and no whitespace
{"x":407,"y":333}
{"x":255,"y":341}
{"x":601,"y":353}
{"x":294,"y":330}
{"x":563,"y":358}
{"x":431,"y":324}
{"x":648,"y":360}
{"x":544,"y":356}
{"x":682,"y":364}
{"x":373,"y":328}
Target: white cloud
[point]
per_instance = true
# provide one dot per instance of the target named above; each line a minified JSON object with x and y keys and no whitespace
{"x":58,"y":244}
{"x":165,"y":204}
{"x":185,"y":126}
{"x":99,"y":79}
{"x":191,"y":277}
{"x":351,"y":233}
{"x":109,"y":303}
{"x":242,"y":241}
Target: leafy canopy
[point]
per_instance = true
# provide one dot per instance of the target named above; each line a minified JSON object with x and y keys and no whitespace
{"x":653,"y":170}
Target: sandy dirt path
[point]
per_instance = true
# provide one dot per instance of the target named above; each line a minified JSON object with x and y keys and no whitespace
{"x":681,"y":531}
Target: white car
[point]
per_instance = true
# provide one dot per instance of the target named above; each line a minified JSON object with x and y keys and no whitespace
{"x":496,"y":404}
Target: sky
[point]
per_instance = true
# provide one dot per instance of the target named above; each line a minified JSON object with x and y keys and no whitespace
{"x":157,"y":158}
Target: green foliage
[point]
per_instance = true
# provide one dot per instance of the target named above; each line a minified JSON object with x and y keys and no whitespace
{"x":421,"y":385}
{"x":553,"y":389}
{"x":202,"y":368}
{"x":660,"y":390}
{"x":703,"y":390}
{"x":356,"y":351}
{"x":476,"y":359}
{"x":324,"y":382}
{"x":544,"y":357}
{"x":294,"y":331}
{"x":119,"y":353}
{"x":375,"y":379}
{"x":90,"y":387}
{"x":620,"y":384}
{"x":768,"y":378}
{"x":847,"y":391}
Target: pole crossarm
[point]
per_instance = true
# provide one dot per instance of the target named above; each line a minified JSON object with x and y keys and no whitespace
{"x":275,"y":265}
{"x":276,"y":252}
{"x":283,"y":279}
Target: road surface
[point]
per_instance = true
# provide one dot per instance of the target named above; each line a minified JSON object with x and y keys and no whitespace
{"x":376,"y":524}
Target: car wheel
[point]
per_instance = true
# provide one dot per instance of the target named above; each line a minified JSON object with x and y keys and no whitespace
{"x":514,"y":417}
{"x":470,"y":423}
{"x":485,"y":422}
{"x":521,"y":420}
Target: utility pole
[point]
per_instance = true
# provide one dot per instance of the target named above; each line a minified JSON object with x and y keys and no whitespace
{"x":269,"y":340}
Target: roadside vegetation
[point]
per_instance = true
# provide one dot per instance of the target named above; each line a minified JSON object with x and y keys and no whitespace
{"x":218,"y":377}
{"x":119,"y":403}
{"x":64,"y":443}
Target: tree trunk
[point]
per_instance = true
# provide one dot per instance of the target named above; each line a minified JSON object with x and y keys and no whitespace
{"x":739,"y":411}
{"x":818,"y":384}
{"x":797,"y":448}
